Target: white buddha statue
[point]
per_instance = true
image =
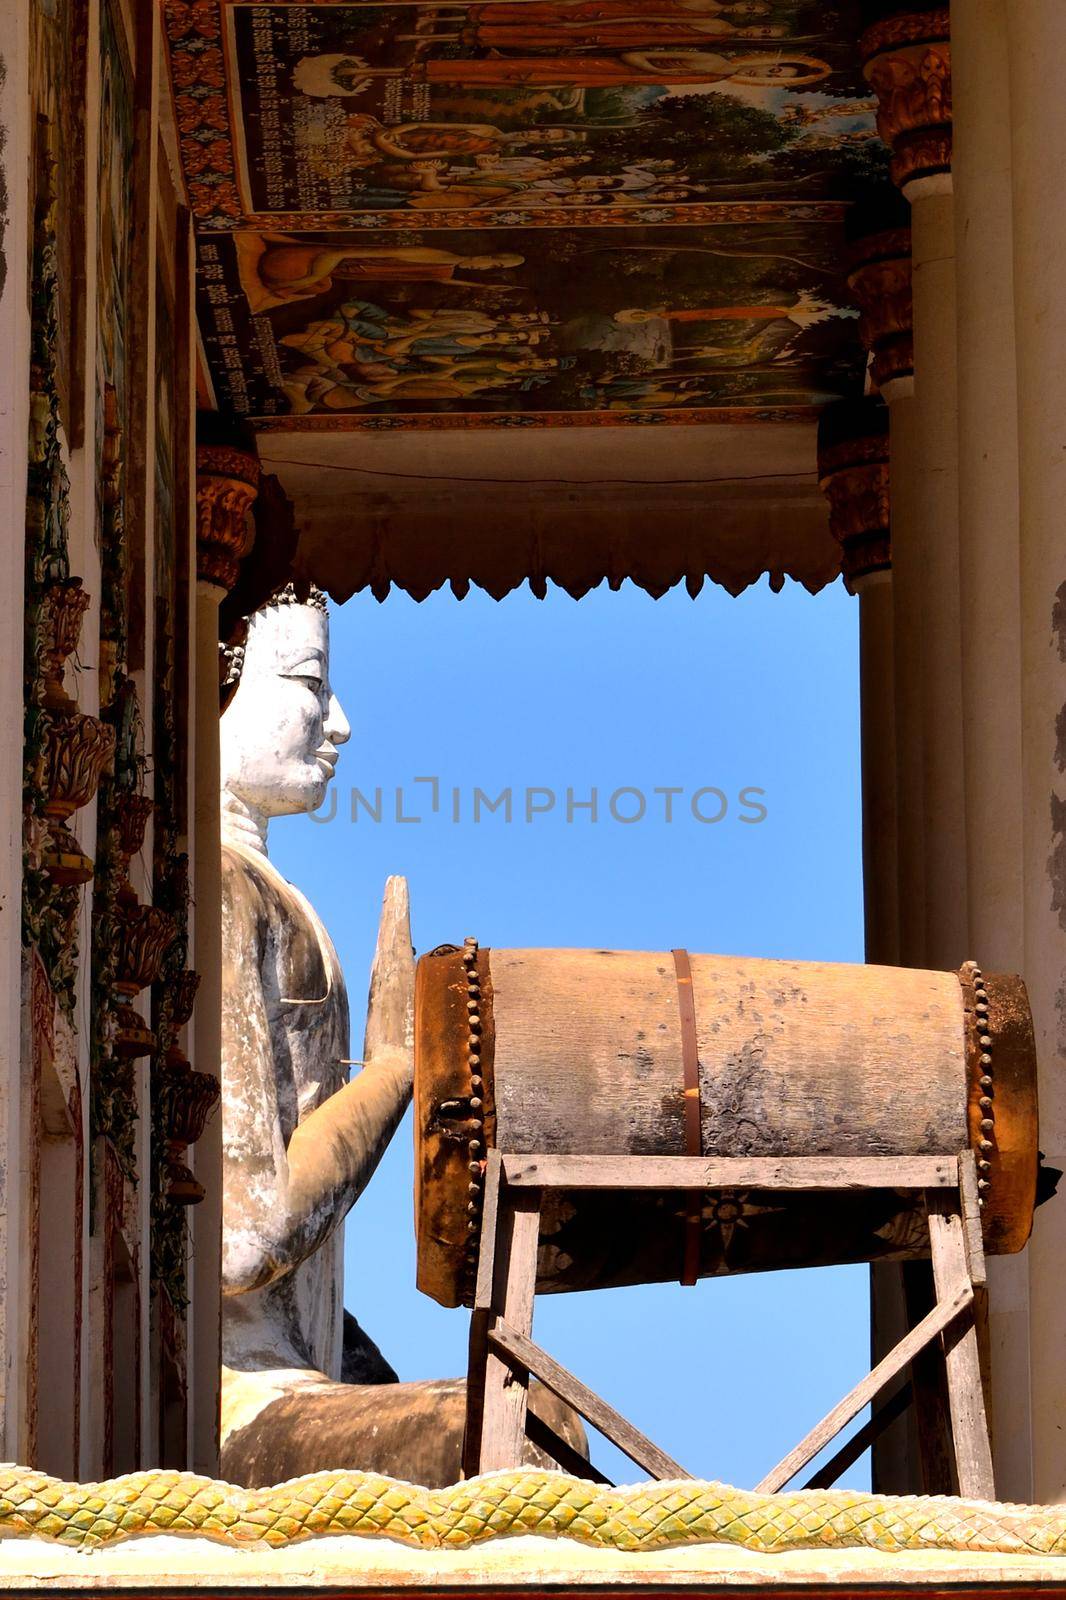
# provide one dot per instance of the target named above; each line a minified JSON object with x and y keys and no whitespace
{"x":303,"y":1387}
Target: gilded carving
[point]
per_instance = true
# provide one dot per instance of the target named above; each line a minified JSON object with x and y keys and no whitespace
{"x":143,"y":933}
{"x":131,"y":813}
{"x":853,"y":473}
{"x":64,"y":751}
{"x":880,"y":280}
{"x":188,"y":1099}
{"x":907,"y":63}
{"x":77,"y":748}
{"x":227,"y":482}
{"x":64,"y":606}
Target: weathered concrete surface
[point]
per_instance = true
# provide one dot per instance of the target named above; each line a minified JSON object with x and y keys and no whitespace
{"x":184,"y":1564}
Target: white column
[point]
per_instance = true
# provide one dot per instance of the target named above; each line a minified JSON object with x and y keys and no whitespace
{"x":140,"y":532}
{"x":206,"y":1266}
{"x":907,"y":586}
{"x":1037,"y":49}
{"x":896,"y":1454}
{"x":937,"y":512}
{"x":990,"y":607}
{"x":14,"y":435}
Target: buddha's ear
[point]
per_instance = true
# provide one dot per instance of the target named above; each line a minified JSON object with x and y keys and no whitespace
{"x":390,"y":1008}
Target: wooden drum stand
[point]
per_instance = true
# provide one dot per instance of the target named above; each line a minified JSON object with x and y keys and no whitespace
{"x":503,"y":1355}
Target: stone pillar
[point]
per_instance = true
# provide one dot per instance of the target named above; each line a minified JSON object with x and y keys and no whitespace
{"x":226,"y":484}
{"x":853,"y":471}
{"x":15,"y":163}
{"x":1036,"y":31}
{"x":991,"y":620}
{"x":880,"y":281}
{"x":907,"y":62}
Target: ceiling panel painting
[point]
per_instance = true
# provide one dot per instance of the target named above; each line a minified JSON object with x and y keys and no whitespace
{"x":449,"y":214}
{"x":567,"y":321}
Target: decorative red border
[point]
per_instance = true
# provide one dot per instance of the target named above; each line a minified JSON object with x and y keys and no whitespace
{"x":437,"y":422}
{"x":193,"y":32}
{"x":200,"y":79}
{"x":695,"y":214}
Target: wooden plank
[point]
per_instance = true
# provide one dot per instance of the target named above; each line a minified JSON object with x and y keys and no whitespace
{"x":971,"y":1219}
{"x":929,"y":1381}
{"x":490,"y":1221}
{"x":503,"y":1424}
{"x":731,"y":1172}
{"x":523,"y":1354}
{"x":969,"y":1424}
{"x":480,"y":1318}
{"x":885,"y":1370}
{"x":478,"y":1352}
{"x":559,"y":1450}
{"x":861,"y":1441}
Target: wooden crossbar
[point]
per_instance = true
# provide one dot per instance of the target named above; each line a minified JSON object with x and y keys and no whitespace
{"x":559,"y":1450}
{"x":731,"y":1172}
{"x":503,"y":1354}
{"x":523,"y":1353}
{"x":862,"y":1438}
{"x":900,"y":1356}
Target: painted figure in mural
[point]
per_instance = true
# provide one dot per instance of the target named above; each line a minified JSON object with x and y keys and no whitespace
{"x":499,"y":27}
{"x":597,"y":22}
{"x":804,"y":312}
{"x":369,"y":138}
{"x":606,"y":11}
{"x":630,"y":69}
{"x":303,"y":1386}
{"x":276,"y":269}
{"x":351,"y":75}
{"x":415,"y":158}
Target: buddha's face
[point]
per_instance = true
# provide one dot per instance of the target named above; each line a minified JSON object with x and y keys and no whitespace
{"x":282,"y":729}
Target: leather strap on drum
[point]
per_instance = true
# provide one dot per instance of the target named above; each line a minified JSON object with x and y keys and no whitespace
{"x":690,"y":1060}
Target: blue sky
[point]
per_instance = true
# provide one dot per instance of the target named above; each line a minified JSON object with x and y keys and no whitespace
{"x":614,"y":691}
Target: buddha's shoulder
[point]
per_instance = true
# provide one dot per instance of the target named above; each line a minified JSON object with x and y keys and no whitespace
{"x":253,"y":889}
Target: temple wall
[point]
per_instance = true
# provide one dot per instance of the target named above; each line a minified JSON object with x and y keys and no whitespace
{"x":969,"y":107}
{"x":110,"y":1199}
{"x":97,"y":483}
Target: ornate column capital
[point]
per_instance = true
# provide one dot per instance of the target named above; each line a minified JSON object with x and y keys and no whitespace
{"x":227,"y":481}
{"x":907,"y":63}
{"x":879,"y":277}
{"x":853,"y":475}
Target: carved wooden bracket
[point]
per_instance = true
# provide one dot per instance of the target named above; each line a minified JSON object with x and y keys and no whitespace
{"x":189,"y":1099}
{"x":227,"y":482}
{"x":907,"y":63}
{"x":143,"y":933}
{"x":77,"y":747}
{"x":853,"y":459}
{"x":880,"y":281}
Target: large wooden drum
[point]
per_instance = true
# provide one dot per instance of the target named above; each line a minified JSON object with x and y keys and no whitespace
{"x":582,"y":1052}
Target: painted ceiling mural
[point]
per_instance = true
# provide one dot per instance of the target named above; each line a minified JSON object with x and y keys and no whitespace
{"x":529,"y":211}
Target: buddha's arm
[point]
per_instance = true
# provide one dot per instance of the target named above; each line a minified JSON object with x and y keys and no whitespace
{"x":333,"y":1153}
